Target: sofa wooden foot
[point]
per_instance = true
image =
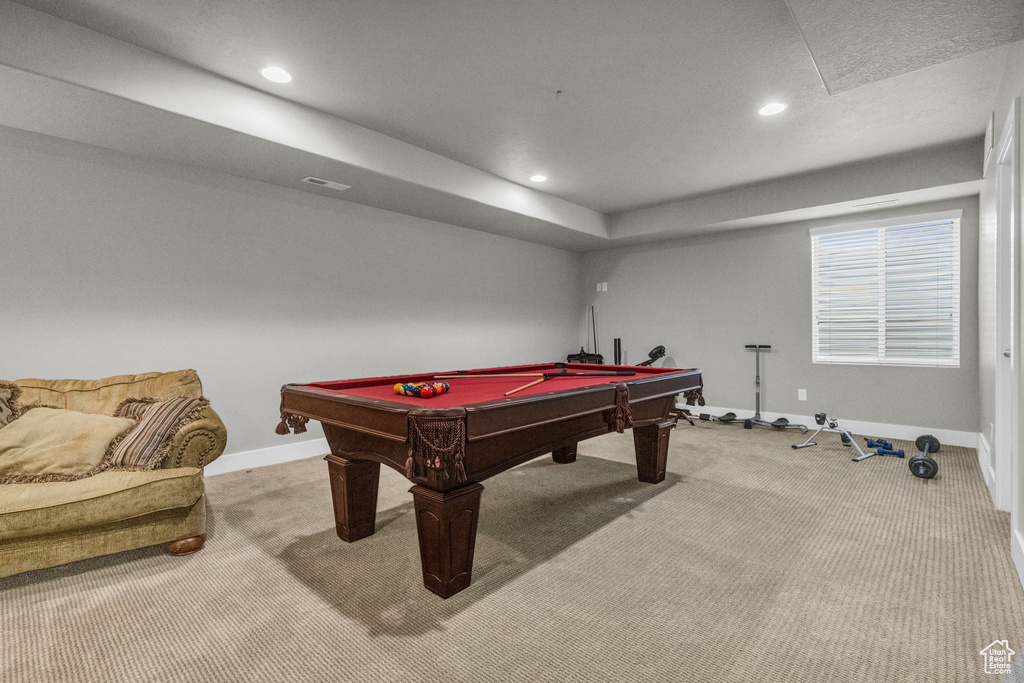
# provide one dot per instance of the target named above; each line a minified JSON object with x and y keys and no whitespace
{"x":186,"y":546}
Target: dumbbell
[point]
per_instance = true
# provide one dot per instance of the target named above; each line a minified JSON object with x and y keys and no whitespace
{"x":923,"y":465}
{"x":884,"y":448}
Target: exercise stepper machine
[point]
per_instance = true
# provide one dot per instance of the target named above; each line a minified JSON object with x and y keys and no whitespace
{"x":748,"y":423}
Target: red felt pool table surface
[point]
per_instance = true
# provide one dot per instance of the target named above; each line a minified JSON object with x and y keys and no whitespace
{"x":477,"y":386}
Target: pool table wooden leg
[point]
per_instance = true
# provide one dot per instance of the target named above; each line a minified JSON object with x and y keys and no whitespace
{"x":565,"y":454}
{"x":447,"y":529}
{"x":651,"y":443}
{"x":354,"y":489}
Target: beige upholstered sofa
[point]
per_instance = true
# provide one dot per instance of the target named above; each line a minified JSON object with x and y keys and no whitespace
{"x":50,"y":523}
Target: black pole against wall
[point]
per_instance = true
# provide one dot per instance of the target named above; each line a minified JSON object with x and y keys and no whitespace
{"x":618,"y":351}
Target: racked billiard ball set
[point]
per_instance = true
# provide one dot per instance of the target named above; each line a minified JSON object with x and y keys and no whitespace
{"x":422,"y":389}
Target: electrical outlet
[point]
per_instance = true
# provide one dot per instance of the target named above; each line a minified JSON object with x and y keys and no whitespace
{"x":801,"y":394}
{"x":604,"y":286}
{"x":599,"y":286}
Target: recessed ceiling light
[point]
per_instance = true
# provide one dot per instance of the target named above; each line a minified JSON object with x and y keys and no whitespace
{"x":771,"y":109}
{"x":276,"y":74}
{"x":538,"y":178}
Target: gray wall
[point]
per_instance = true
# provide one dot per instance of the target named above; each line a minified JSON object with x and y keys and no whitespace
{"x":705,"y":297}
{"x":114,"y":265}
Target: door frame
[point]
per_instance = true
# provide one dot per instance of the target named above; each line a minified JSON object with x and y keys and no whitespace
{"x":1007,"y":376}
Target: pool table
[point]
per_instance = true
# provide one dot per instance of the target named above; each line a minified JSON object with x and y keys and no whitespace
{"x":447,"y":444}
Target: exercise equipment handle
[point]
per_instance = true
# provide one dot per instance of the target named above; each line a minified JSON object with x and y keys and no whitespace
{"x":758,"y":346}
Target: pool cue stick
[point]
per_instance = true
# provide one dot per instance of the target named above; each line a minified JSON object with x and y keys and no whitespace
{"x":526,"y":386}
{"x":553,"y":375}
{"x":593,"y":320}
{"x":572,"y":373}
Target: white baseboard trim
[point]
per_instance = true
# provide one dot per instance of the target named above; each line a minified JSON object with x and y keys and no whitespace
{"x":267,"y":456}
{"x":1017,"y":552}
{"x":984,"y":453}
{"x":878,"y":430}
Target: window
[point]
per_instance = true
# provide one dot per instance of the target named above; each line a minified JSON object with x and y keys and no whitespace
{"x":888,"y":292}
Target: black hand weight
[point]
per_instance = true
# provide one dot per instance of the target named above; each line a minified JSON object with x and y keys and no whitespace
{"x":923,"y":465}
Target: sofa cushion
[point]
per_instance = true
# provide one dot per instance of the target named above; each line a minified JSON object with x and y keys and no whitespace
{"x":103,"y":395}
{"x":111,"y":496}
{"x":46,"y":444}
{"x":147,"y":445}
{"x":9,"y":393}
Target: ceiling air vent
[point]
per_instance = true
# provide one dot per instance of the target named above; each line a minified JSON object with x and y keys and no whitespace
{"x":325,"y":183}
{"x":877,"y":205}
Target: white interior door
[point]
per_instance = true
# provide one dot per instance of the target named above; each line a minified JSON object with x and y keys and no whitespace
{"x":1009,"y":485}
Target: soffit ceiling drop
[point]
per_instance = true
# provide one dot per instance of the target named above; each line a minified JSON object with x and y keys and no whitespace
{"x":657,"y":106}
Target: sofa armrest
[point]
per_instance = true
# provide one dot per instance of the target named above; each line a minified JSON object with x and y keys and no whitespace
{"x":198,"y":443}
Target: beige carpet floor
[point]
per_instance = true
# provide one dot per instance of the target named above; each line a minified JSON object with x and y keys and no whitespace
{"x":751,"y":562}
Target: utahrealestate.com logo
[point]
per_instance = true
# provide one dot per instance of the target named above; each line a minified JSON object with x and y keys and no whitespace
{"x":998,"y":657}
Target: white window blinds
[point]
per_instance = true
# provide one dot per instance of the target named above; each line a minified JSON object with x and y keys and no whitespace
{"x":888,"y":292}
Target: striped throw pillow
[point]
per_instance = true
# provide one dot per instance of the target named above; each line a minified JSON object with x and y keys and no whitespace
{"x":147,"y":445}
{"x":134,"y":407}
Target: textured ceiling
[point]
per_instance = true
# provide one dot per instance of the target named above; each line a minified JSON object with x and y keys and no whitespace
{"x":621,"y":105}
{"x":857,"y":43}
